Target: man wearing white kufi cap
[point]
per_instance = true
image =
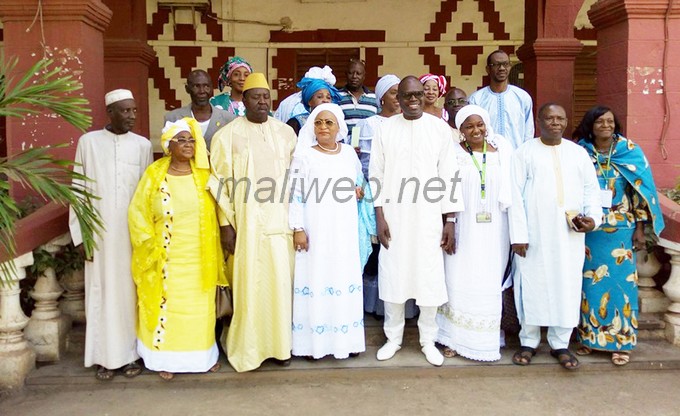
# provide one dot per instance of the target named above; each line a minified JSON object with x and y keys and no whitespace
{"x":114,"y":159}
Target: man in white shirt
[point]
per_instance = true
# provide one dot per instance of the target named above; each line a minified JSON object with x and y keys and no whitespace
{"x":413,"y":150}
{"x":555,"y":201}
{"x":114,"y":159}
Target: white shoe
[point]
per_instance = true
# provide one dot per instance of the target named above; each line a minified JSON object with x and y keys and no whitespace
{"x":387,"y":351}
{"x":433,"y":355}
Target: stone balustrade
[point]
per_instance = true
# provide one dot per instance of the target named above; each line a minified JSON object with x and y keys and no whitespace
{"x":17,"y":357}
{"x":48,"y":327}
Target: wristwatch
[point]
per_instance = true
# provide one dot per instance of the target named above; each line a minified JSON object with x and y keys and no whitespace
{"x":452,"y":219}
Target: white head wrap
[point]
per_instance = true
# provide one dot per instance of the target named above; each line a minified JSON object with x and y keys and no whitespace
{"x":325,"y":73}
{"x":306,"y":138}
{"x":384,"y":84}
{"x":470,"y":110}
{"x":117,"y":95}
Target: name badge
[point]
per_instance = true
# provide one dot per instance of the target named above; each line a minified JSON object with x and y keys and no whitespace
{"x":483,"y":217}
{"x":606,"y":196}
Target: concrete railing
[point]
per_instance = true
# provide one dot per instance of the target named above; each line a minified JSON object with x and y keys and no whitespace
{"x":24,"y":341}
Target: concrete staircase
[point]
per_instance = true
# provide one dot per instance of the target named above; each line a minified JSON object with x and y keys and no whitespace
{"x":653,"y":352}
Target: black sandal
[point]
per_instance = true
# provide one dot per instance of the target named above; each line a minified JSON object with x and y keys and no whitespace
{"x":523,"y":356}
{"x":104,"y":374}
{"x":567,"y":360}
{"x":132,"y":369}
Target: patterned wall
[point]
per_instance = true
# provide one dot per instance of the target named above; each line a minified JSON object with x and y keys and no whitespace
{"x":450,"y":37}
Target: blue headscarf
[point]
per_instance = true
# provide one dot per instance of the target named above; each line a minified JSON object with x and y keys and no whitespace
{"x":312,"y":85}
{"x":628,"y":158}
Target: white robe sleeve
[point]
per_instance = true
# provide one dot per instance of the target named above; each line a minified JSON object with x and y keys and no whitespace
{"x":592,"y":204}
{"x":298,"y":174}
{"x":517,"y":216}
{"x":447,"y":169}
{"x":73,"y":223}
{"x":146,"y":157}
{"x":528,"y":122}
{"x":222,"y":175}
{"x":376,"y":168}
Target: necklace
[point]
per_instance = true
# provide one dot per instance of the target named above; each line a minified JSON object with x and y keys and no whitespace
{"x":181,"y":170}
{"x":337,"y":146}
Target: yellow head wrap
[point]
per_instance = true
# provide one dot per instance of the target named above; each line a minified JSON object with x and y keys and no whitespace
{"x":256,"y":80}
{"x":189,"y":124}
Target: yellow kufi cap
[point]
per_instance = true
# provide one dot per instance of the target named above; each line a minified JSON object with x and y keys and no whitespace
{"x":255,"y":80}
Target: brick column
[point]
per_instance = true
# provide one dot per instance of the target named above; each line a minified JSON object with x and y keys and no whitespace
{"x":127,"y":56}
{"x":630,"y":45}
{"x":549,"y":53}
{"x":72,"y":31}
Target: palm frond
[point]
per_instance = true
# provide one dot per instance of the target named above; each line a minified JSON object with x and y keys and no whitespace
{"x":42,"y":88}
{"x":53,"y":180}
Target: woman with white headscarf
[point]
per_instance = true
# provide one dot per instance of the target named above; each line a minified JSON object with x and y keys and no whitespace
{"x":177,"y":260}
{"x":328,"y":314}
{"x":469,"y":323}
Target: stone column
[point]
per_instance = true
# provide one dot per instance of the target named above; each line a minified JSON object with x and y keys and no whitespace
{"x":672,"y":290}
{"x":549,"y":52}
{"x":71,"y":33}
{"x":630,"y":75}
{"x":650,"y":299}
{"x":549,"y":72}
{"x":127,"y":57}
{"x":48,"y":327}
{"x":17,"y":357}
{"x":73,"y":300}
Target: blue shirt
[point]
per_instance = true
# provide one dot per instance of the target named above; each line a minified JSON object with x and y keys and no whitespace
{"x":510,"y":111}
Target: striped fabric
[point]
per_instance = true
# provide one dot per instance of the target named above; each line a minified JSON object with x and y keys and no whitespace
{"x":356,"y":110}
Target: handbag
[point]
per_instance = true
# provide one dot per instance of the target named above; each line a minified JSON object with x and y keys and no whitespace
{"x":223,"y":305}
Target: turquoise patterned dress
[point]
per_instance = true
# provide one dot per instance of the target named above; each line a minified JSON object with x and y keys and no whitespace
{"x":609,"y":305}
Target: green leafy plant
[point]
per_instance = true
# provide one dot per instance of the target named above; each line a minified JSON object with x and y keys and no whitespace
{"x":69,"y":260}
{"x":674,"y":193}
{"x":42,"y":260}
{"x":43,"y":88}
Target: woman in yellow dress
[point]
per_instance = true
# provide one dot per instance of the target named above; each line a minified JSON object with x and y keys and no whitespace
{"x":177,"y":261}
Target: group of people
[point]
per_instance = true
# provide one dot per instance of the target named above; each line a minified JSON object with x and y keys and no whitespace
{"x":346,"y":201}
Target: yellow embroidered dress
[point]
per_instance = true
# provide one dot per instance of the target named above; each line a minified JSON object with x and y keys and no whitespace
{"x":176,"y":263}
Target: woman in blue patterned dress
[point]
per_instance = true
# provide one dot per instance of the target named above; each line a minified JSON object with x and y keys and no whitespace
{"x":609,"y":306}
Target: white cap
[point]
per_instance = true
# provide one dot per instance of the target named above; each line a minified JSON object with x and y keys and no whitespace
{"x":117,"y":95}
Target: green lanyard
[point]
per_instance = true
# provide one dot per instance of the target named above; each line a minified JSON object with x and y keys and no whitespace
{"x":482,"y":170}
{"x":609,"y":163}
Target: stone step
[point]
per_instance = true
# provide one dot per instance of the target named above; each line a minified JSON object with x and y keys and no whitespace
{"x":409,"y":361}
{"x":651,"y":326}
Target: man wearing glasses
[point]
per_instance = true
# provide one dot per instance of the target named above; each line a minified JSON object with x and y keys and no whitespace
{"x":510,"y":107}
{"x":454,"y":100}
{"x":413,"y":151}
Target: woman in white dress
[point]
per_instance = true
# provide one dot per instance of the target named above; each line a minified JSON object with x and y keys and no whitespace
{"x":469,"y":323}
{"x":327,"y":291}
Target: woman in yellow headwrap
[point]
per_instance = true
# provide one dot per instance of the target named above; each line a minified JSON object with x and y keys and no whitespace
{"x":177,"y":260}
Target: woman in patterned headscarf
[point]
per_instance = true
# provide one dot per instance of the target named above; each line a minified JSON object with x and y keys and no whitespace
{"x":232,"y":74}
{"x":434,"y":86}
{"x":177,"y":261}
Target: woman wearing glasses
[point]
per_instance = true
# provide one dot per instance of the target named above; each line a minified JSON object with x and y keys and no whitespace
{"x":609,"y":308}
{"x":177,"y":261}
{"x":469,"y":322}
{"x":325,"y":215}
